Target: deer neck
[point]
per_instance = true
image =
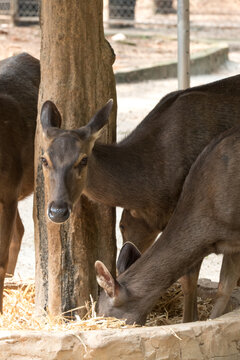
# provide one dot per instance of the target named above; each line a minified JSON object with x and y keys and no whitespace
{"x":171,"y":256}
{"x":110,"y":175}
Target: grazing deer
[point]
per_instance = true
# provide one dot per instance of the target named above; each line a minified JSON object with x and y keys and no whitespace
{"x":206,"y":220}
{"x":145,"y":172}
{"x":140,"y":237}
{"x":19,"y":84}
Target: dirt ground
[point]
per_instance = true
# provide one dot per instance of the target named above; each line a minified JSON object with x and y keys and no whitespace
{"x":134,"y":100}
{"x":135,"y":52}
{"x":153,"y":38}
{"x":130,"y":50}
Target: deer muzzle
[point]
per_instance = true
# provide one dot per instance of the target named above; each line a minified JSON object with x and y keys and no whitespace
{"x":58,"y":212}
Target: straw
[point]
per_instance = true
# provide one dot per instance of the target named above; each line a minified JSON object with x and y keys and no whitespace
{"x":19,"y":312}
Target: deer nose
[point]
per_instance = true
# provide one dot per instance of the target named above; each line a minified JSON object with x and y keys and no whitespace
{"x":58,"y":212}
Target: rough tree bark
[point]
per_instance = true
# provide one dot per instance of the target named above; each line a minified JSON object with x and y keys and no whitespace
{"x":76,"y":73}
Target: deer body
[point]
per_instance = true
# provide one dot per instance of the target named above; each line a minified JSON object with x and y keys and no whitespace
{"x":205,"y":220}
{"x":145,"y":172}
{"x":19,"y":84}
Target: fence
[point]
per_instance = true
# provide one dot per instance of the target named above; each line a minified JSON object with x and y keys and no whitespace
{"x":27,"y":8}
{"x":148,"y":13}
{"x":20,"y":10}
{"x":155,"y":13}
{"x":5,"y":7}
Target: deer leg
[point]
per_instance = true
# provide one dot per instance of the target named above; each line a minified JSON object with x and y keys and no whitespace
{"x":15,"y":245}
{"x":7,"y":219}
{"x":189,"y":288}
{"x":229,"y":276}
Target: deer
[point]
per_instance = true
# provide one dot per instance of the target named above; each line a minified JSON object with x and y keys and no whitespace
{"x":19,"y":84}
{"x":144,"y":173}
{"x":205,"y":220}
{"x":137,"y":238}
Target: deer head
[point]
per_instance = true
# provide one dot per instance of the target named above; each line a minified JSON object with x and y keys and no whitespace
{"x":116,"y":300}
{"x":65,"y":158}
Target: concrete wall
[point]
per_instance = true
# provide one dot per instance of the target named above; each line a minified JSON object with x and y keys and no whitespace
{"x":216,"y":340}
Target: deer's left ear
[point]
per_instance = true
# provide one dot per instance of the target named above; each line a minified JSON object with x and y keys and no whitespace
{"x":129,"y":253}
{"x":93,"y":129}
{"x":100,"y":119}
{"x":106,"y":280}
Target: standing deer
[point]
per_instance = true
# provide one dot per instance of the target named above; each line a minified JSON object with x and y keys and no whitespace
{"x":206,"y":220}
{"x":19,"y":84}
{"x":145,"y":172}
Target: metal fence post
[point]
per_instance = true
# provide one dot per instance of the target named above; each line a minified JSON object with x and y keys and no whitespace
{"x":183,"y":44}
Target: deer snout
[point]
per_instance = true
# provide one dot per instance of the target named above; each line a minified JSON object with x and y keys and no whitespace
{"x":58,"y":212}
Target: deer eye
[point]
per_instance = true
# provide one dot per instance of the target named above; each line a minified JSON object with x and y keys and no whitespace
{"x":84,"y":161}
{"x":44,"y":161}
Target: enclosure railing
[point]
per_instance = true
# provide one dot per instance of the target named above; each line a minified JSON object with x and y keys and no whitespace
{"x":20,"y":10}
{"x":129,"y":13}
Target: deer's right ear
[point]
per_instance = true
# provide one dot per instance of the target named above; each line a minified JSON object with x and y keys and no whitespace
{"x":105,"y":280}
{"x":129,"y":253}
{"x":50,"y":117}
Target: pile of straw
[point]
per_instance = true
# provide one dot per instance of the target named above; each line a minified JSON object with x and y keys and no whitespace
{"x":19,"y":313}
{"x":169,"y":309}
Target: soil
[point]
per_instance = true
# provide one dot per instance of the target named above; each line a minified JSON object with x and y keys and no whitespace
{"x":131,"y":50}
{"x":14,"y":40}
{"x":145,"y":51}
{"x":152,"y":40}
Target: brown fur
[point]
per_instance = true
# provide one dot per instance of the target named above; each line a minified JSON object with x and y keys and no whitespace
{"x":145,"y":172}
{"x":205,"y":220}
{"x":19,"y":84}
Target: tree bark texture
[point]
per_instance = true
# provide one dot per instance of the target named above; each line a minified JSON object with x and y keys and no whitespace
{"x":77,"y":75}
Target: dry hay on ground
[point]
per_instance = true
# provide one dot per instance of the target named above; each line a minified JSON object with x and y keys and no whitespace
{"x":169,"y":309}
{"x":19,"y":313}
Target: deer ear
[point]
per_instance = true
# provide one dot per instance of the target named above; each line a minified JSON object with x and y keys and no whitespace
{"x":129,"y":253}
{"x":100,"y":119}
{"x":50,"y":117}
{"x":105,"y":280}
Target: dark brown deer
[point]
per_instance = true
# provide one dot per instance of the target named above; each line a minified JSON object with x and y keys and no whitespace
{"x":137,"y":231}
{"x":145,"y":172}
{"x":206,"y":220}
{"x":19,"y":84}
{"x":140,"y":236}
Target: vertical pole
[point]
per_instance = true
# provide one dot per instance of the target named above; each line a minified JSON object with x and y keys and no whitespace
{"x":14,"y":10}
{"x":183,"y":45}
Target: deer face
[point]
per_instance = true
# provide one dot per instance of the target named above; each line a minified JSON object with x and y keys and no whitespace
{"x":137,"y":230}
{"x":65,"y":159}
{"x":116,"y":300}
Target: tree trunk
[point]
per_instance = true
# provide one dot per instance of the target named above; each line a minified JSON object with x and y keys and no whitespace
{"x":77,"y":75}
